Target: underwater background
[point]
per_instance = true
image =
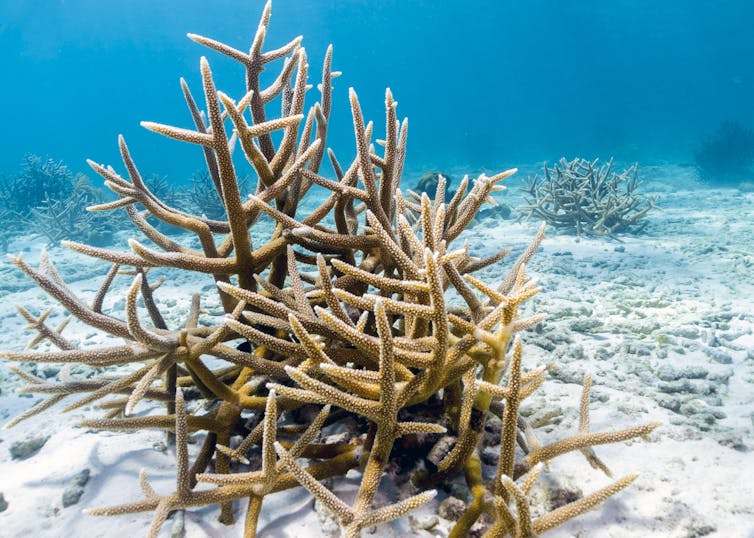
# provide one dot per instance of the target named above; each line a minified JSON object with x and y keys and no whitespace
{"x":484,"y":83}
{"x":656,"y":304}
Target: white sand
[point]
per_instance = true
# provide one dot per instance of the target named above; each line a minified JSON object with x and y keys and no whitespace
{"x":680,"y":295}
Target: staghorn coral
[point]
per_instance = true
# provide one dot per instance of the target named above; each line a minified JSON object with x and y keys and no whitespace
{"x":343,"y":309}
{"x":58,"y":219}
{"x":48,"y":199}
{"x":204,"y":198}
{"x":590,"y":199}
{"x":37,"y":179}
{"x":726,"y":157}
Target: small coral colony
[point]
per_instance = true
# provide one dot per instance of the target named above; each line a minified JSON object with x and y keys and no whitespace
{"x":362,"y":315}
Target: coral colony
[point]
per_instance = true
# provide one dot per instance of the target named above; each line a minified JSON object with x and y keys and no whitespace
{"x":590,"y":199}
{"x":343,"y":316}
{"x":726,"y":157}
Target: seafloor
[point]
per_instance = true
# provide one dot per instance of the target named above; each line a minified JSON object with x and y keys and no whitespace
{"x":663,"y":321}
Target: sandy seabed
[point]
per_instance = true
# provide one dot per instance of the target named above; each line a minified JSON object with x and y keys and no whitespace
{"x":662,"y":320}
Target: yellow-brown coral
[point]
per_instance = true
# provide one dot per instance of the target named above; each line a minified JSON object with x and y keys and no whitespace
{"x":345,"y":308}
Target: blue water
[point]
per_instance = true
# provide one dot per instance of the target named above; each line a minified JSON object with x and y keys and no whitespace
{"x":485,"y":84}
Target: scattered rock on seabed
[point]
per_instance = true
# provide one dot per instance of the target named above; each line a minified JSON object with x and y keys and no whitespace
{"x":328,"y":525}
{"x":423,"y":524}
{"x":73,"y":493}
{"x":451,"y":508}
{"x":20,"y":450}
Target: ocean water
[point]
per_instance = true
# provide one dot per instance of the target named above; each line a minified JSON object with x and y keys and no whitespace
{"x":484,"y":84}
{"x":662,"y":318}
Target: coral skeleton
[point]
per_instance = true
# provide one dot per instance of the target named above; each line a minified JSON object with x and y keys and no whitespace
{"x":342,"y":314}
{"x":587,"y":197}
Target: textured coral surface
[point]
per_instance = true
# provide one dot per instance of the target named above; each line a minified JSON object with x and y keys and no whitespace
{"x":348,"y":339}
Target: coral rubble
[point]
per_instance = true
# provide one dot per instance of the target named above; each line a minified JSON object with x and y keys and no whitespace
{"x":342,"y":311}
{"x":590,"y":199}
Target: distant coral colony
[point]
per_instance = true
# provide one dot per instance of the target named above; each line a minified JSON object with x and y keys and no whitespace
{"x":343,"y":318}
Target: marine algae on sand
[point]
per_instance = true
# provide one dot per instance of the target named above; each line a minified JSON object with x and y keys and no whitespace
{"x":345,"y":310}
